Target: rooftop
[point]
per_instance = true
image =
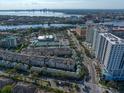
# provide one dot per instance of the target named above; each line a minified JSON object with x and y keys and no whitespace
{"x":102,"y":28}
{"x":114,"y":23}
{"x":118,"y":28}
{"x":45,"y":37}
{"x":112,"y":38}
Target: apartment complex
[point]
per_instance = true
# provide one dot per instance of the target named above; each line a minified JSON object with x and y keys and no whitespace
{"x":93,"y":31}
{"x":50,"y":41}
{"x":43,"y":51}
{"x":90,"y":32}
{"x":81,"y":31}
{"x":8,"y":42}
{"x":110,"y":53}
{"x":107,"y":43}
{"x":97,"y":30}
{"x":39,"y":61}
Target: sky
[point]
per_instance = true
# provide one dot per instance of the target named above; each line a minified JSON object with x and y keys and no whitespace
{"x":61,"y":4}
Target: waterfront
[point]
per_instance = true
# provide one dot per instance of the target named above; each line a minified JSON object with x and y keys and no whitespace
{"x":5,"y":27}
{"x":36,"y":13}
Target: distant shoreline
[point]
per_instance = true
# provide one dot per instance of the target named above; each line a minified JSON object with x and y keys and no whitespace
{"x":65,"y":11}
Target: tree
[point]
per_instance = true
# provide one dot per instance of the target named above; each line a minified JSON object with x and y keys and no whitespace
{"x":7,"y":89}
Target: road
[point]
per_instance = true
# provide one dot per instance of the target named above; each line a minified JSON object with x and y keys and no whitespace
{"x":91,"y":85}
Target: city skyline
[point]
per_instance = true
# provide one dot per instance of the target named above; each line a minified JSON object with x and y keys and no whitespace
{"x":65,"y":4}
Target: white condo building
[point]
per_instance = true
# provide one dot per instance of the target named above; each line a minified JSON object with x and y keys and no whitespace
{"x":90,"y":32}
{"x":97,"y":30}
{"x":110,"y":53}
